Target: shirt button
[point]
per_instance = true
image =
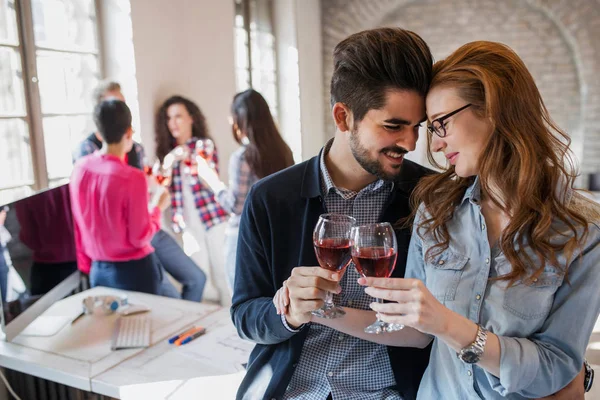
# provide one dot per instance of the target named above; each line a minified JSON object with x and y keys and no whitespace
{"x":478,"y":297}
{"x":330,"y":374}
{"x":441,"y":262}
{"x":487,"y":260}
{"x":341,"y":337}
{"x":349,"y":302}
{"x":469,"y":373}
{"x":482,"y":227}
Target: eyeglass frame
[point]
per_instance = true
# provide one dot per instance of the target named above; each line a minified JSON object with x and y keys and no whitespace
{"x":440,"y":120}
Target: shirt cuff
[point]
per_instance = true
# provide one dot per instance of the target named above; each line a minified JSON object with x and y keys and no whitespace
{"x":519,"y":363}
{"x":288,"y":327}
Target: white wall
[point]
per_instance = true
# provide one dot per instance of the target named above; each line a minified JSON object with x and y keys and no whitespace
{"x":185,"y":47}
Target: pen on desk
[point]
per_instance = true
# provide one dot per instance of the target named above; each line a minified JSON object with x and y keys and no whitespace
{"x":193,"y":336}
{"x":186,"y":332}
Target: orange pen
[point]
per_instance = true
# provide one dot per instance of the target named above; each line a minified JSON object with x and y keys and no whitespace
{"x":182,"y":334}
{"x":186,"y":334}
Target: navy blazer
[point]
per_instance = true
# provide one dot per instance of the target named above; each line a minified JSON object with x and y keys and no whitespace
{"x":275,"y":236}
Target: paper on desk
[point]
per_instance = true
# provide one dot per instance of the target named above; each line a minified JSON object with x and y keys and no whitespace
{"x":220,"y":347}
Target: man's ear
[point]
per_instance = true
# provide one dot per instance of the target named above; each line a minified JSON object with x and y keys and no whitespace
{"x":342,"y":116}
{"x":129,"y":133}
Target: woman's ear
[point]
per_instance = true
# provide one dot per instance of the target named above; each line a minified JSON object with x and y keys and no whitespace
{"x":342,"y":116}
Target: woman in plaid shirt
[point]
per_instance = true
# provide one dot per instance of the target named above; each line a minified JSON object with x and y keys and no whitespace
{"x":179,"y":122}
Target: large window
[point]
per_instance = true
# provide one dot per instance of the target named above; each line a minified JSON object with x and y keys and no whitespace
{"x":255,"y":49}
{"x":49,"y":66}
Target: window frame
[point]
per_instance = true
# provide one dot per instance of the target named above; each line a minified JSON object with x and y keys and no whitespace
{"x":34,"y":117}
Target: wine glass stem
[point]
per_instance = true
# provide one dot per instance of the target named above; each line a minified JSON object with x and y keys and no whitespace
{"x":380,"y":301}
{"x":329,"y":300}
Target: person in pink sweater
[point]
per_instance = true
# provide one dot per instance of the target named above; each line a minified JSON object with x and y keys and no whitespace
{"x":109,"y":199}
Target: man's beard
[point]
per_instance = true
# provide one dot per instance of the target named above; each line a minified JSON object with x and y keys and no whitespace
{"x":374,"y":167}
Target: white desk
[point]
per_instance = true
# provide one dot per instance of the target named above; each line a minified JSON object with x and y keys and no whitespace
{"x":80,"y":352}
{"x":210,"y":365}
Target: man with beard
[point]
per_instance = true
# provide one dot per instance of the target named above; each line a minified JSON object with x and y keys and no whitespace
{"x":378,"y":88}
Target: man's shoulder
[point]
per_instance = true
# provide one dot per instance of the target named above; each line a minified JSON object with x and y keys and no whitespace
{"x":284,"y":185}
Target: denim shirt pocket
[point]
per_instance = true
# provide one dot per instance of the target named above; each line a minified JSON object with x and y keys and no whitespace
{"x":443,"y":273}
{"x":531,"y":299}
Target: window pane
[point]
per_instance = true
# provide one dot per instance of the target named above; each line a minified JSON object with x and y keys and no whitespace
{"x":65,"y":24}
{"x":15,"y":155}
{"x":12,"y":97}
{"x":61,"y":135}
{"x":66,"y":81}
{"x":8,"y":22}
{"x":242,"y":79}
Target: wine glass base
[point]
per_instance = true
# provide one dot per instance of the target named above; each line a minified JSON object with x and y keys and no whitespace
{"x":329,"y":312}
{"x":377,"y":327}
{"x":394,"y":327}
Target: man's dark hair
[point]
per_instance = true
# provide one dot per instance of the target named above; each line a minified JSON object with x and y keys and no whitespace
{"x":369,"y":63}
{"x":113,"y":119}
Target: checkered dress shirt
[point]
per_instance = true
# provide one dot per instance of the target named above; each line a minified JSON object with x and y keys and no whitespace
{"x":333,"y":362}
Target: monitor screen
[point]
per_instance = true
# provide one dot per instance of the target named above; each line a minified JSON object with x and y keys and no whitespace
{"x":37,"y":253}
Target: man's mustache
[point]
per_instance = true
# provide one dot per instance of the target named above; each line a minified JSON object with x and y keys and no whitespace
{"x":395,"y":149}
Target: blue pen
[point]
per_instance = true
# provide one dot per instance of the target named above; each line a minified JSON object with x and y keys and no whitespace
{"x":193,"y":336}
{"x":174,"y":338}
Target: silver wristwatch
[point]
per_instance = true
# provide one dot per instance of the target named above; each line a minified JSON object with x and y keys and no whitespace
{"x":473,"y":352}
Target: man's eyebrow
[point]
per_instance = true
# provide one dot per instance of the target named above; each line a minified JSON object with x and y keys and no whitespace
{"x":397,"y":121}
{"x":400,"y":121}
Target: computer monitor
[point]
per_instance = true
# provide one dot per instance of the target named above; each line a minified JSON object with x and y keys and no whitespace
{"x":38,"y":262}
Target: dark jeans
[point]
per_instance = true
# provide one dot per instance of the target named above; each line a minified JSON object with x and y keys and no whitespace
{"x":44,"y":276}
{"x":180,"y":266}
{"x":143,"y":275}
{"x":3,"y":275}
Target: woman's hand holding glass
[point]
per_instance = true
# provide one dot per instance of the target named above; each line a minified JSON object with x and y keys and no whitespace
{"x":411,"y":304}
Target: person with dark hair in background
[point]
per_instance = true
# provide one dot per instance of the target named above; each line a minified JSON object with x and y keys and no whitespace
{"x":104,"y":91}
{"x":180,"y":123}
{"x":113,"y":225}
{"x":263,"y":153}
{"x":170,"y":254}
{"x":46,"y":227}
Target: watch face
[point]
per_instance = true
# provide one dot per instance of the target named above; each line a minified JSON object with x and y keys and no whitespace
{"x":470,"y":357}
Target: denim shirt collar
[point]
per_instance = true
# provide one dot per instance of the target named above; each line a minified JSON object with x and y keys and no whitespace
{"x":473,"y":192}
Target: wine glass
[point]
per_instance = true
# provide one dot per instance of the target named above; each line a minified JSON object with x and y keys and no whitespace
{"x":374,"y":252}
{"x":331,"y":239}
{"x":205,"y":149}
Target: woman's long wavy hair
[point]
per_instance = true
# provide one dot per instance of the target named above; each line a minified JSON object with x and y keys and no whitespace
{"x":165,"y":142}
{"x":266,"y":152}
{"x":527,"y":158}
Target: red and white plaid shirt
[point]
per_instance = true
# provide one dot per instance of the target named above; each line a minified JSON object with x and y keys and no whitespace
{"x":210,"y":211}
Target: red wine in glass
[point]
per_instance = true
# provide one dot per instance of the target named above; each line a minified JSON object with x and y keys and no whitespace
{"x":333,"y":254}
{"x":162,"y":179}
{"x":148,"y":170}
{"x":331,"y":239}
{"x":377,"y":262}
{"x":374,"y":252}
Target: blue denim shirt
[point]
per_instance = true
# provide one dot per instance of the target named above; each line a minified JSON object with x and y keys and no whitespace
{"x":543,"y":325}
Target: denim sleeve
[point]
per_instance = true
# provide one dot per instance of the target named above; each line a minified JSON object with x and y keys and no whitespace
{"x":415,"y":264}
{"x":547,"y":361}
{"x":252,"y":310}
